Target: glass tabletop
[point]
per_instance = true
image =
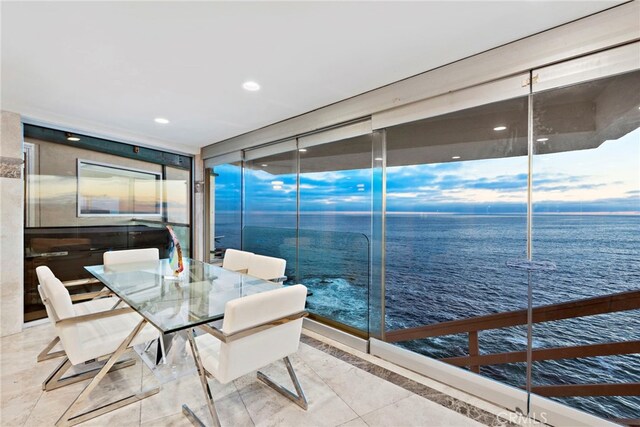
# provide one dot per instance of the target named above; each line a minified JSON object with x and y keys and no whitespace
{"x":171,"y":303}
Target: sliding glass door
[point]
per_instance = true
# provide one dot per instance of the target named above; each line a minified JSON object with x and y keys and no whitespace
{"x":456,"y":217}
{"x":271,"y":203}
{"x":335,"y":226}
{"x":586,"y":191}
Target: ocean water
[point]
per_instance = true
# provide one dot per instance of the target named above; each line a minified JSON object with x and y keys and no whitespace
{"x":448,"y":267}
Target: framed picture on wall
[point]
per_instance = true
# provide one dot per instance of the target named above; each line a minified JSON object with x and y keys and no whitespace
{"x":112,"y":190}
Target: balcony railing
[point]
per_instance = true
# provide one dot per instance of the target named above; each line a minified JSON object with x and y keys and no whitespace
{"x":623,"y":301}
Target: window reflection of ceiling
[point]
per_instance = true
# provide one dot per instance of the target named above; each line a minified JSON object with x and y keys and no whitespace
{"x":577,"y":117}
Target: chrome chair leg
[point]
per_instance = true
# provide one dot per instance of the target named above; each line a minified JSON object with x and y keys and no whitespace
{"x":55,"y":380}
{"x":298,"y":398}
{"x":205,"y":386}
{"x":45,"y":355}
{"x":68,"y":420}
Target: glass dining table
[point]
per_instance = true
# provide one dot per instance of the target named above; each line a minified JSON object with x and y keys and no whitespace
{"x":174,"y":303}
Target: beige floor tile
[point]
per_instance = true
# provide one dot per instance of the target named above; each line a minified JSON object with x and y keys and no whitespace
{"x":357,"y":422}
{"x":268,"y":408}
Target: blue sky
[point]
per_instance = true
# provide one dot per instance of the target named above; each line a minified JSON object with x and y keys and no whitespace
{"x":602,"y":180}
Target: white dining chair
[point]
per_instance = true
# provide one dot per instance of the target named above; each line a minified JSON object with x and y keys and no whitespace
{"x":236,"y":260}
{"x":97,"y":301}
{"x":130,"y":255}
{"x":257,"y":330}
{"x":267,"y":268}
{"x":88,"y":337}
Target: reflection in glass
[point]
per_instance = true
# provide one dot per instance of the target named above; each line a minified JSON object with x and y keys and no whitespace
{"x":81,"y":203}
{"x":226,"y":207}
{"x":455,"y":214}
{"x":335,"y":229}
{"x":111,"y":190}
{"x":586,"y":192}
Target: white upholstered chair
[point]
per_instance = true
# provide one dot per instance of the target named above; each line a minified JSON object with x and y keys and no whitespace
{"x":267,"y":268}
{"x":93,"y":336}
{"x":130,"y":255}
{"x":236,"y":260}
{"x":97,"y":301}
{"x":257,"y":330}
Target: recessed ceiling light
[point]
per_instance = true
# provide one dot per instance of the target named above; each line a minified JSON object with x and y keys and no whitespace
{"x":251,"y":86}
{"x":378,"y":159}
{"x":264,"y":165}
{"x":455,"y":157}
{"x":161,"y":120}
{"x":72,"y":137}
{"x":499,"y":128}
{"x":303,"y":150}
{"x":542,"y":139}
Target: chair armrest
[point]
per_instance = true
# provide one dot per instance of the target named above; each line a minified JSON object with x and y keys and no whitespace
{"x":80,"y":282}
{"x":226,"y":338}
{"x":280,"y":279}
{"x":91,"y":295}
{"x":94,"y":316}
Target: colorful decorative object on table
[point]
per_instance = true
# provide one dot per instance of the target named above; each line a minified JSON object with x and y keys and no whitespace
{"x":175,"y":253}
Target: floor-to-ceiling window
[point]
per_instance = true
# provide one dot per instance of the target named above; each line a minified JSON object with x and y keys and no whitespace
{"x":501,"y":225}
{"x":335,"y":226}
{"x":456,"y":214}
{"x":586,"y":221}
{"x":271,"y":203}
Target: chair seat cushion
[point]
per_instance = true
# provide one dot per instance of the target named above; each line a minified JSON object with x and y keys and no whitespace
{"x":87,"y":340}
{"x":95,"y":305}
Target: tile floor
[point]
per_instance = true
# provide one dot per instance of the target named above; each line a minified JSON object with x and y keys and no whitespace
{"x":339,"y":394}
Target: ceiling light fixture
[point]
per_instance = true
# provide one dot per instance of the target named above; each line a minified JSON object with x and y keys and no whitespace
{"x":303,"y":150}
{"x":277,"y":187}
{"x":251,"y":86}
{"x":498,"y":128}
{"x":72,"y":137}
{"x":264,"y":165}
{"x":161,"y":120}
{"x":455,"y":157}
{"x":378,"y":159}
{"x":542,"y":139}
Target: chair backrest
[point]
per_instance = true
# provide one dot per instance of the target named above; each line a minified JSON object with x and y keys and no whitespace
{"x":43,"y":272}
{"x":243,"y":355}
{"x":236,"y":260}
{"x":130,"y":255}
{"x":58,"y":297}
{"x":266,"y":267}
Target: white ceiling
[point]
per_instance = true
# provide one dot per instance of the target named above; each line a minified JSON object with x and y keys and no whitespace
{"x":109,"y":68}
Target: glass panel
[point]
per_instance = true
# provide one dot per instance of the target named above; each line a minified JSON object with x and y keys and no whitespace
{"x":226,"y":208}
{"x":270,"y":208}
{"x":455,"y":215}
{"x":124,"y":204}
{"x":335,"y":229}
{"x":586,"y":192}
{"x":152,"y":290}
